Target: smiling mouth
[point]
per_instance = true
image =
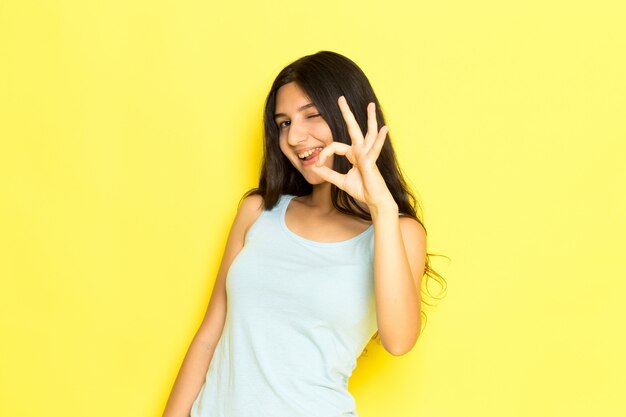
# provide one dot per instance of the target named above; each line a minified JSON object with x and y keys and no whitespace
{"x":310,"y":154}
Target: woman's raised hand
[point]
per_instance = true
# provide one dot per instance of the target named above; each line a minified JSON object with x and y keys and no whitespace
{"x":363,"y":181}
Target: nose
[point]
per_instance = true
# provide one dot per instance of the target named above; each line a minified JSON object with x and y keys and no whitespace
{"x":296,"y":134}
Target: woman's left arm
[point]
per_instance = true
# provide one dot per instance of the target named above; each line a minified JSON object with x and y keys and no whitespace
{"x":399,"y":242}
{"x":399,"y":259}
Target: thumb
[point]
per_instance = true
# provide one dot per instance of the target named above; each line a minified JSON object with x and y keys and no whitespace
{"x":330,"y":175}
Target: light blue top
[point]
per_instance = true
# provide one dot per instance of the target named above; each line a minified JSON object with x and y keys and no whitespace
{"x":299,"y":313}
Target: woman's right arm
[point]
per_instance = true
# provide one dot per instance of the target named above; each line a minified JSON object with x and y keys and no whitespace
{"x":196,"y":362}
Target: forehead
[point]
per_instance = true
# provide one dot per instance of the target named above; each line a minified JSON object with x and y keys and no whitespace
{"x":289,"y":97}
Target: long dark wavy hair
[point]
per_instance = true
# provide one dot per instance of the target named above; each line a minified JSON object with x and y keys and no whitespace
{"x":324,"y":76}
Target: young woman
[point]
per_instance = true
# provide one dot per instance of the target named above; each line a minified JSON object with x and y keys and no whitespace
{"x":324,"y":255}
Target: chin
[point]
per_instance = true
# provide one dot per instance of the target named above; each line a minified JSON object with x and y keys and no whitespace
{"x":310,"y":176}
{"x":313,"y":179}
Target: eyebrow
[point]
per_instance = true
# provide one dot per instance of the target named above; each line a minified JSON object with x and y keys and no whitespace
{"x":306,"y":106}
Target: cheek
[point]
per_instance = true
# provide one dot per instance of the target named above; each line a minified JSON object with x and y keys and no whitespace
{"x":283,"y":146}
{"x":324,"y":134}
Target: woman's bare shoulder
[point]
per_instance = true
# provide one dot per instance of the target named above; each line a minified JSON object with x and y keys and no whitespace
{"x":250,"y":208}
{"x":251,"y":204}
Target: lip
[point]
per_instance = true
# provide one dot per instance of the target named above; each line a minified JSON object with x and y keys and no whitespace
{"x":300,"y":150}
{"x":310,"y":161}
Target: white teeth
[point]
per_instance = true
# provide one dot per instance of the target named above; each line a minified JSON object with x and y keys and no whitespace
{"x":309,"y":152}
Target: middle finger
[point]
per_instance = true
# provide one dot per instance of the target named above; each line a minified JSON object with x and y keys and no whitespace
{"x":353,"y":127}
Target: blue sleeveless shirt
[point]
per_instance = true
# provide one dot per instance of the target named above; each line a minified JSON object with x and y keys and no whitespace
{"x":299,"y":313}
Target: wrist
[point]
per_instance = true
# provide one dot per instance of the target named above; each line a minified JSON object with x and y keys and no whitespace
{"x":387,"y":207}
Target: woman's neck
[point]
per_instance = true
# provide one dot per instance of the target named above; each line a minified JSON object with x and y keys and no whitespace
{"x":319,"y":199}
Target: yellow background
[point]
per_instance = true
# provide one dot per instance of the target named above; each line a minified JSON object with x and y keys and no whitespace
{"x":129,"y":131}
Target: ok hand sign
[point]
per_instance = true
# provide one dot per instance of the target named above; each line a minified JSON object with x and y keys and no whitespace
{"x":363,"y":181}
